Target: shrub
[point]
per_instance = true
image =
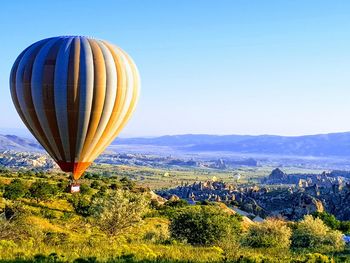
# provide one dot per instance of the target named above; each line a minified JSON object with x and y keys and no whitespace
{"x":47,"y":213}
{"x":16,"y":189}
{"x":271,"y":233}
{"x":157,"y":234}
{"x":95,"y":184}
{"x":85,"y":189}
{"x":203,"y":225}
{"x":177,"y":203}
{"x":14,"y":211}
{"x":102,"y":191}
{"x":119,"y":210}
{"x":82,"y":205}
{"x":317,"y":258}
{"x":55,"y":238}
{"x":42,"y":191}
{"x":63,"y":185}
{"x":127,"y":184}
{"x":88,"y":175}
{"x":312,"y":233}
{"x":115,"y":186}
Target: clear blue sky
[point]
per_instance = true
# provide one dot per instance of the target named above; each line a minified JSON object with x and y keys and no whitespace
{"x":218,"y":67}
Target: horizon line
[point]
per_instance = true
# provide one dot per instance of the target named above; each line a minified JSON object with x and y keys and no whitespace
{"x":126,"y":136}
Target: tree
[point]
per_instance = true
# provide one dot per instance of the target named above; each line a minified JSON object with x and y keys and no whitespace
{"x":115,"y":186}
{"x":127,"y":183}
{"x":85,"y":189}
{"x":16,"y":189}
{"x":203,"y":225}
{"x":63,"y":185}
{"x":312,"y":233}
{"x":332,"y":222}
{"x":328,"y":219}
{"x":42,"y":191}
{"x":119,"y":210}
{"x":271,"y":233}
{"x":345,"y":227}
{"x":95,"y":184}
{"x":82,"y":205}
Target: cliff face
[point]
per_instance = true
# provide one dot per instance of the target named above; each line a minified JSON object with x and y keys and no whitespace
{"x":292,"y":205}
{"x":337,"y":201}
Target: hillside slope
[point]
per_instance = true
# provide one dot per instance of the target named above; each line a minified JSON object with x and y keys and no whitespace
{"x":16,"y":143}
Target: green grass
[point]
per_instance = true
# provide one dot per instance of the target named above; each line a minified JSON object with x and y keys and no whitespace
{"x":55,"y":233}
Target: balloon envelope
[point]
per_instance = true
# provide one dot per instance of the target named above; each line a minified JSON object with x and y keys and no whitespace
{"x":74,"y":94}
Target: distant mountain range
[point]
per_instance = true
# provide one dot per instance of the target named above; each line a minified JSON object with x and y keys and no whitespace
{"x":322,"y":145}
{"x":16,"y":143}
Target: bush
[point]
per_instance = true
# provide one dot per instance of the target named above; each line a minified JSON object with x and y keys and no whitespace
{"x":115,"y":186}
{"x":55,"y":238}
{"x":312,"y":233}
{"x":82,"y":205}
{"x":85,"y":189}
{"x":271,"y":233}
{"x":42,"y":191}
{"x":127,"y":184}
{"x":119,"y":210}
{"x":95,"y":184}
{"x":102,"y":191}
{"x":203,"y":225}
{"x":317,"y":258}
{"x":14,"y":211}
{"x":16,"y":189}
{"x":63,"y":185}
{"x":47,"y":213}
{"x":177,"y":203}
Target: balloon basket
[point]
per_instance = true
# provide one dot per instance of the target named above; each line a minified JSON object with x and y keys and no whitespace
{"x":74,"y":188}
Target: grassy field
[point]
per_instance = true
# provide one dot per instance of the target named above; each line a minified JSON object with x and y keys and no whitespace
{"x":52,"y":230}
{"x":156,"y":178}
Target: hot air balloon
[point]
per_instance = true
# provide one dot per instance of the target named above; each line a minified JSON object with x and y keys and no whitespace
{"x":75,"y":94}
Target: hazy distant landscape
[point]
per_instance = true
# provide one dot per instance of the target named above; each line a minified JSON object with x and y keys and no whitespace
{"x":320,"y":145}
{"x":324,"y":151}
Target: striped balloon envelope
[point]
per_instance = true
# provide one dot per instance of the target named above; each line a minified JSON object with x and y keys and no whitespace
{"x":75,"y":94}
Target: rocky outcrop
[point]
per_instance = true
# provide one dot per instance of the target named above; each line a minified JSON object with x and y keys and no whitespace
{"x":156,"y":198}
{"x":292,"y":202}
{"x":324,"y":179}
{"x":277,"y":175}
